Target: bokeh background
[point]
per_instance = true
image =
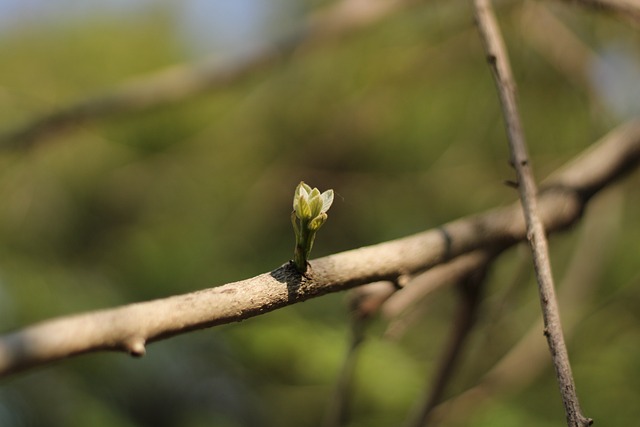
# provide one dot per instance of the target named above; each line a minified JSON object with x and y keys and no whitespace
{"x":400,"y":118}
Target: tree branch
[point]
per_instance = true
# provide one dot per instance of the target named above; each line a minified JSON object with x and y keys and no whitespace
{"x":579,"y":284}
{"x":130,"y":327}
{"x":180,"y":82}
{"x":364,"y":303}
{"x":499,"y":62}
{"x":471,"y":289}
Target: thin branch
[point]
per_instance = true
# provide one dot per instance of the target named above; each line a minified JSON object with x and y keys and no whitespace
{"x":404,"y":308}
{"x":338,"y":409}
{"x":337,"y":413}
{"x":431,"y":280}
{"x":471,"y":287}
{"x":180,"y":82}
{"x":505,"y":83}
{"x":128,"y":328}
{"x":578,"y":286}
{"x":364,"y":304}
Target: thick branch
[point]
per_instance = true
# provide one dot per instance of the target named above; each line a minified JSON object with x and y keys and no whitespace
{"x":129,"y":328}
{"x":536,"y":236}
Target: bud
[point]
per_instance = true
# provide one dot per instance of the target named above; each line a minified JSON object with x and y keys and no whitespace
{"x":309,"y":213}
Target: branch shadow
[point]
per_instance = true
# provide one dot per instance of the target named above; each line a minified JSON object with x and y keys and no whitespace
{"x":289,"y":275}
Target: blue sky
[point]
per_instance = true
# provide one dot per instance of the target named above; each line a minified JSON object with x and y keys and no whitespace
{"x":237,"y":26}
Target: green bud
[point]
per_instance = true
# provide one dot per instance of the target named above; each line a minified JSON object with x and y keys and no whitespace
{"x":309,"y":214}
{"x":317,"y":222}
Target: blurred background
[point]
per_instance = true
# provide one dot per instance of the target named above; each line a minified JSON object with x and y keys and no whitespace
{"x":397,"y":114}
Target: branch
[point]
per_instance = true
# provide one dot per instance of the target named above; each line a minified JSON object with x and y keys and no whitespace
{"x":471,"y":287}
{"x":498,"y":59}
{"x":128,"y":328}
{"x":364,"y":303}
{"x":582,"y":275}
{"x":623,"y":8}
{"x":419,"y":287}
{"x":180,"y":82}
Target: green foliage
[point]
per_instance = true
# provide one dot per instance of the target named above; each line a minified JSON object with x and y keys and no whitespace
{"x":401,"y":119}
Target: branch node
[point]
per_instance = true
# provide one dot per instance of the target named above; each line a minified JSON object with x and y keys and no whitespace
{"x":401,"y":281}
{"x":135,"y":346}
{"x":512,"y":184}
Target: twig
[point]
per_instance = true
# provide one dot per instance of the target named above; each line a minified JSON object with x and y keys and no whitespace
{"x":364,"y":304}
{"x":471,"y":290}
{"x":339,"y":404}
{"x":424,"y":284}
{"x":404,"y":308}
{"x":578,"y":286}
{"x":128,"y":328}
{"x":498,"y":60}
